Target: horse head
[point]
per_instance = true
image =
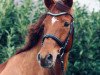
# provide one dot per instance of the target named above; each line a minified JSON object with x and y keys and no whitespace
{"x":58,"y":32}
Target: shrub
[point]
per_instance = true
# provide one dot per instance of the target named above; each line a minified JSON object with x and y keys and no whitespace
{"x":85,"y":55}
{"x":14,"y":20}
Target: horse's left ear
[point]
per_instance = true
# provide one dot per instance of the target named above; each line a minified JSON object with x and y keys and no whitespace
{"x":49,"y":3}
{"x":69,"y":3}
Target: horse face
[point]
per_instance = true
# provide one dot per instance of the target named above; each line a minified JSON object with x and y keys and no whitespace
{"x":58,"y":26}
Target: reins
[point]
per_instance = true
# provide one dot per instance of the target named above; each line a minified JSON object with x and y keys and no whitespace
{"x":63,"y":45}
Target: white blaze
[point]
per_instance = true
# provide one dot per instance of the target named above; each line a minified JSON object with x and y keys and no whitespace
{"x":54,"y":20}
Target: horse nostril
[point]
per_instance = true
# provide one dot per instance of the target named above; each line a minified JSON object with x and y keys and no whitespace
{"x":49,"y":57}
{"x":39,"y":57}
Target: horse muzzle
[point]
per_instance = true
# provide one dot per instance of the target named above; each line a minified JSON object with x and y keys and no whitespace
{"x":45,"y":62}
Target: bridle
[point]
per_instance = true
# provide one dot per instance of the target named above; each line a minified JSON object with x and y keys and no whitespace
{"x":63,"y":45}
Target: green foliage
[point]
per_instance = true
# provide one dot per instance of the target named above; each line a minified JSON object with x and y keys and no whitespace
{"x":14,"y":20}
{"x":84,"y":56}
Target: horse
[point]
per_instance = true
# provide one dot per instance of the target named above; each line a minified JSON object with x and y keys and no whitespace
{"x":47,"y":44}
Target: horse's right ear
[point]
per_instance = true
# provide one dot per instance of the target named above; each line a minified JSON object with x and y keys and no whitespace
{"x":48,"y":3}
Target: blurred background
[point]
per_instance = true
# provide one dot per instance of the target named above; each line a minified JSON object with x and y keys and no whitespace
{"x":84,"y":59}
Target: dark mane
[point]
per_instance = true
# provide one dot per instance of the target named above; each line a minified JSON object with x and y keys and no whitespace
{"x":35,"y":31}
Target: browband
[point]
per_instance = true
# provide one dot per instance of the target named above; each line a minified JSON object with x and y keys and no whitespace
{"x":58,"y":14}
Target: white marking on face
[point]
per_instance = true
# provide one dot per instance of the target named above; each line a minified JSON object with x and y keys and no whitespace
{"x":54,"y":20}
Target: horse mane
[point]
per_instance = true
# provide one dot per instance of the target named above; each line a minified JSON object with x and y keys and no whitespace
{"x":35,"y":31}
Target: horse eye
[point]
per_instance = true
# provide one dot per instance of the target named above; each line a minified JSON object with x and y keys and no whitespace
{"x":66,"y":24}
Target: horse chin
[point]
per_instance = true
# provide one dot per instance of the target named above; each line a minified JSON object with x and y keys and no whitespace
{"x":47,"y":65}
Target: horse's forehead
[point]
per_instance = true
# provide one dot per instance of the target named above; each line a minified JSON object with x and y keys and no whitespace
{"x":53,"y":20}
